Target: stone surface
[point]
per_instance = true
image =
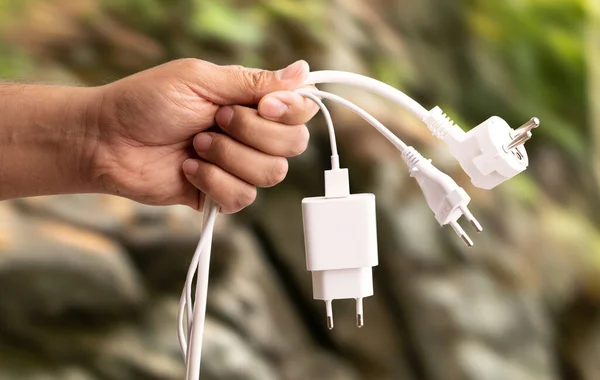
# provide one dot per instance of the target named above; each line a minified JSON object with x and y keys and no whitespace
{"x":161,"y":240}
{"x":99,"y":302}
{"x":50,"y":268}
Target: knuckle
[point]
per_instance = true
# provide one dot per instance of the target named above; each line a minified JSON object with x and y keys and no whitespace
{"x":190,"y":64}
{"x":276,"y":173}
{"x":240,"y":126}
{"x":256,"y":80}
{"x":220,"y":149}
{"x":208,"y":178}
{"x":245,"y":197}
{"x":236,"y":68}
{"x":300,"y":143}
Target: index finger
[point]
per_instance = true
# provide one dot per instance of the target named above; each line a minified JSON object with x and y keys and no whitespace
{"x":287,"y":107}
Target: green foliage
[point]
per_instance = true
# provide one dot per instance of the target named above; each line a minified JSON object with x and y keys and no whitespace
{"x":541,"y":43}
{"x":14,"y":63}
{"x":306,"y":11}
{"x":242,"y":26}
{"x":145,"y":13}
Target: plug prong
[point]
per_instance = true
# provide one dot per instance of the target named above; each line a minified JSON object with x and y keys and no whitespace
{"x":476,"y":225}
{"x":329,"y":312}
{"x":518,"y":141}
{"x":359,"y":313}
{"x":534,"y":122}
{"x":523,"y":133}
{"x":460,"y":232}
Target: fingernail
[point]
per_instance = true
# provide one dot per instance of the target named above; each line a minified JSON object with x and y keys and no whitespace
{"x":293,"y":70}
{"x":224,"y":116}
{"x":202,"y":142}
{"x":190,"y":166}
{"x":273,"y":108}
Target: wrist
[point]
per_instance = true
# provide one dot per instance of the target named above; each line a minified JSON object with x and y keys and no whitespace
{"x":84,"y":134}
{"x":48,"y":136}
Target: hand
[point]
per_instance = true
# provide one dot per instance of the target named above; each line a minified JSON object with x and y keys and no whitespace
{"x":150,"y":123}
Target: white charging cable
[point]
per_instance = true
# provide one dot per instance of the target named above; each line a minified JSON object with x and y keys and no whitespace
{"x":399,"y":144}
{"x":335,"y":158}
{"x":490,"y":153}
{"x":192,"y":314}
{"x":369,"y":84}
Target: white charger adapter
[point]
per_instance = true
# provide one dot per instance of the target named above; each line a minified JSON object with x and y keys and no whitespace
{"x":340,"y":236}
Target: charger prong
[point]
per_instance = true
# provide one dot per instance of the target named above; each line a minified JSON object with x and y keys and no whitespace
{"x":329,"y":312}
{"x":359,"y":313}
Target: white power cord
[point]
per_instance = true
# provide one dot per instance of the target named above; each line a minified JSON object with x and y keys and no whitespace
{"x":369,"y":84}
{"x":341,"y":258}
{"x":191,"y":317}
{"x":399,"y":144}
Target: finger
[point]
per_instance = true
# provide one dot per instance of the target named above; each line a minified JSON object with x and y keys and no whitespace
{"x":287,"y":107}
{"x":248,"y":127}
{"x":252,"y":166}
{"x":227,"y":85}
{"x":228,"y":191}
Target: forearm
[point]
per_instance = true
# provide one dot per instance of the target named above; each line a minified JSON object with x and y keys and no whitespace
{"x":47,"y":139}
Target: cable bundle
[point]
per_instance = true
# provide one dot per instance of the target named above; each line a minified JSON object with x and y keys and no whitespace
{"x":486,"y":153}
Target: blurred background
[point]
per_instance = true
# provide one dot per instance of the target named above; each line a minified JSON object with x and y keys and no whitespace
{"x":89,"y":284}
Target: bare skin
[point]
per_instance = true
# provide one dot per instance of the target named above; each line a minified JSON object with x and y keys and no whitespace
{"x":150,"y":137}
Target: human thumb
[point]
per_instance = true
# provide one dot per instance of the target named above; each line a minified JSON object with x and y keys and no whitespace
{"x":240,"y":85}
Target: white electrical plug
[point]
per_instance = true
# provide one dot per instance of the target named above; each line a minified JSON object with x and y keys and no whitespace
{"x":340,"y":237}
{"x":445,"y":198}
{"x":490,"y":153}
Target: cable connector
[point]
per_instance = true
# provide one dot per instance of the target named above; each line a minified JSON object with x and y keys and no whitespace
{"x":337,"y":183}
{"x":490,"y":153}
{"x":445,"y":198}
{"x":340,"y":236}
{"x":440,"y":125}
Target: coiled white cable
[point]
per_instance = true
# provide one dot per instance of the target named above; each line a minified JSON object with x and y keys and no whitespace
{"x":192,"y":316}
{"x":192,"y":313}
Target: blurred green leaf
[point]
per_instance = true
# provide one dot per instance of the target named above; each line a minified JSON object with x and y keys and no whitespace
{"x":541,"y":43}
{"x":14,"y":63}
{"x":228,"y":23}
{"x":147,"y":12}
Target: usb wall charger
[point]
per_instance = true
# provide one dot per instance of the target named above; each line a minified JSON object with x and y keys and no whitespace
{"x":340,"y":236}
{"x":340,"y":228}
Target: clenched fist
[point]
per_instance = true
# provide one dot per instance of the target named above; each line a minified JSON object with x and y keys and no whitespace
{"x":168,"y":135}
